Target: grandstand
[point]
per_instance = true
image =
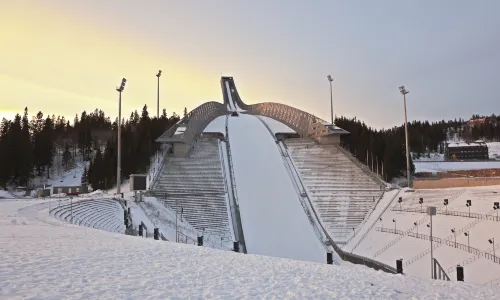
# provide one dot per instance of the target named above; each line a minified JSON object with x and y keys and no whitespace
{"x":104,"y":214}
{"x":195,"y":186}
{"x":341,"y":191}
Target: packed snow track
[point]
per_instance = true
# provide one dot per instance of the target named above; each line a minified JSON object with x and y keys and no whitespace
{"x":273,"y":220}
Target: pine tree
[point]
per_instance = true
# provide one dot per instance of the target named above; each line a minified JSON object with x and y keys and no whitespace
{"x":84,"y":176}
{"x":66,"y":157}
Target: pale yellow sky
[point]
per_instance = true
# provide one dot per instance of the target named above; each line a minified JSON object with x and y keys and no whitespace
{"x":60,"y":65}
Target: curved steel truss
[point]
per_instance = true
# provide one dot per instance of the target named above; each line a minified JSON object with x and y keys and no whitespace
{"x":189,"y":127}
{"x":300,"y":121}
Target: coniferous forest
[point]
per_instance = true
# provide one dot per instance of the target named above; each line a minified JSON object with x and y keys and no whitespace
{"x":29,"y":146}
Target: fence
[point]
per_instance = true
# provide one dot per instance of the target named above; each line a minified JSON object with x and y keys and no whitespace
{"x":439,"y":272}
{"x":446,"y":242}
{"x":463,"y":214}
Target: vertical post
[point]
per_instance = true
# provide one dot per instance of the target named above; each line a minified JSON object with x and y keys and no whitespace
{"x":156,"y":233}
{"x":329,"y":258}
{"x":468,"y":242}
{"x":460,"y":273}
{"x":407,"y":150}
{"x":176,"y":231}
{"x":71,"y":200}
{"x":158,"y":99}
{"x":141,"y":230}
{"x":330,"y":79}
{"x":236,"y":247}
{"x":119,"y":157}
{"x":200,"y":241}
{"x":399,"y":266}
{"x":432,"y":254}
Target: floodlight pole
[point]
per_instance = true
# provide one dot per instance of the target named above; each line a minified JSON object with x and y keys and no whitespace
{"x":431,"y":210}
{"x":119,"y":138}
{"x":158,"y":96}
{"x":404,"y":91}
{"x":330,"y":79}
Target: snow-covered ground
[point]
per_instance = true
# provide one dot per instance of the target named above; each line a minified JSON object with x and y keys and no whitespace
{"x":273,"y":220}
{"x":275,"y":126}
{"x":388,"y":247}
{"x":444,"y":166}
{"x":44,"y":258}
{"x":217,"y":125}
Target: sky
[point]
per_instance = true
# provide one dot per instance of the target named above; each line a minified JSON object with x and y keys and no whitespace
{"x":63,"y":57}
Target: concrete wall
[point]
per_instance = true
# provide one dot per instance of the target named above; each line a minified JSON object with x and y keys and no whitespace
{"x":454,"y":182}
{"x":329,"y":139}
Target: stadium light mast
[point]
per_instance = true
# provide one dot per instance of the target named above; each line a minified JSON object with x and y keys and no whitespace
{"x":330,"y":79}
{"x":403,"y":92}
{"x":119,"y":158}
{"x":158,"y":95}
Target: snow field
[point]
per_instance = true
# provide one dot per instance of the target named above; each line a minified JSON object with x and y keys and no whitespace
{"x":273,"y":220}
{"x":479,"y":230}
{"x":42,"y":257}
{"x":455,"y":166}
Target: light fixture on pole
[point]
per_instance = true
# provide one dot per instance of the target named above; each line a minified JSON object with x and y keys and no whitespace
{"x":468,"y":239}
{"x":469,"y":204}
{"x":158,"y":95}
{"x":496,"y":206}
{"x":492,"y":241}
{"x":330,"y":79}
{"x":119,"y":138}
{"x":394,"y":220}
{"x":403,"y":92}
{"x":455,"y":234}
{"x":416,"y":226}
{"x":446,"y":205}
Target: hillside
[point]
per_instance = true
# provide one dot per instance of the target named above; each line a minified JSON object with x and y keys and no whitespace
{"x":75,"y":262}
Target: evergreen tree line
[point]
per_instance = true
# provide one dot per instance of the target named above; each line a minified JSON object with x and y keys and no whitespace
{"x":386,"y":148}
{"x":30,"y":148}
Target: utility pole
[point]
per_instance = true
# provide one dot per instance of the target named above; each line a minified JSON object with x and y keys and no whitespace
{"x":119,"y":162}
{"x":404,"y":91}
{"x":330,"y":79}
{"x":158,"y":96}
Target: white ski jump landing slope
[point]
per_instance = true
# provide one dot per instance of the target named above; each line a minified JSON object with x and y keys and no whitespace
{"x":274,"y":223}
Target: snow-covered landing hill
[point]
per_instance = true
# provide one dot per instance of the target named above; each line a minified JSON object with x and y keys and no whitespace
{"x":42,"y":257}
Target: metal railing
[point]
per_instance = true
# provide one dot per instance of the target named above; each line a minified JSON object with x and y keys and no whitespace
{"x":463,"y":214}
{"x":439,"y":240}
{"x":439,"y":273}
{"x":411,"y":229}
{"x":235,"y":209}
{"x":369,"y":229}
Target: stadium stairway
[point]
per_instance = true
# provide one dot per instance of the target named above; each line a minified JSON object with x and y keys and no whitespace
{"x":342,"y":192}
{"x":195,"y":186}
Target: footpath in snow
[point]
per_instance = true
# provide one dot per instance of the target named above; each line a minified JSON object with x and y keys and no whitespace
{"x":274,"y":222}
{"x":44,"y":258}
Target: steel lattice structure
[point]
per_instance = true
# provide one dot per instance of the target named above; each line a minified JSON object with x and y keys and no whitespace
{"x":189,"y":127}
